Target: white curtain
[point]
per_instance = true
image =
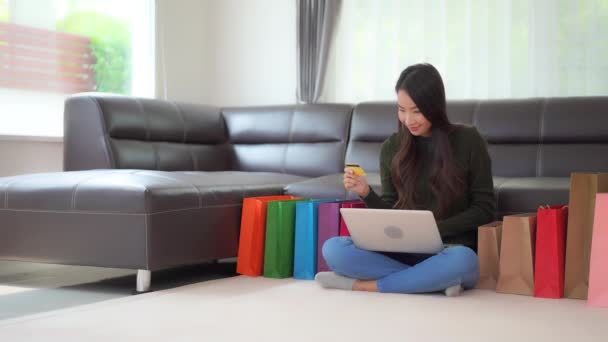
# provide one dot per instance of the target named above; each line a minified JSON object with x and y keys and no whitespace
{"x":483,"y":49}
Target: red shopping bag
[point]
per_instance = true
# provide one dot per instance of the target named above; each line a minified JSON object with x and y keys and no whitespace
{"x":353,"y":204}
{"x":550,"y":251}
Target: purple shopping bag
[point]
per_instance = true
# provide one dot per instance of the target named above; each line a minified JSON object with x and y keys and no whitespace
{"x":328,"y":227}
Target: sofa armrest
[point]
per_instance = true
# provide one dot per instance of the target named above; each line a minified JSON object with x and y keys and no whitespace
{"x":108,"y":131}
{"x":86,"y":140}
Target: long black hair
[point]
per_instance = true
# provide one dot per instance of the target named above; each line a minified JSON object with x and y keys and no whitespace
{"x":423,"y":84}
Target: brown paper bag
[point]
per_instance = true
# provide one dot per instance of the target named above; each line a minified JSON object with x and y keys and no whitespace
{"x":516,"y":272}
{"x":488,"y":250}
{"x":583,"y":188}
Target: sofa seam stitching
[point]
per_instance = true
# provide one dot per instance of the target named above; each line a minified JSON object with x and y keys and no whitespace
{"x":114,"y":213}
{"x":289,"y":140}
{"x":106,"y":133}
{"x":7,"y":186}
{"x":179,"y":114}
{"x":148,"y":134}
{"x":75,"y":188}
{"x":146,"y":216}
{"x":140,"y":106}
{"x":539,"y":152}
{"x":185,"y":135}
{"x":498,"y":193}
{"x":200,"y":196}
{"x":475,"y":113}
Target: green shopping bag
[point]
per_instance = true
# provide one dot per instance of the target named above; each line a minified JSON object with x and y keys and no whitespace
{"x":280,"y":232}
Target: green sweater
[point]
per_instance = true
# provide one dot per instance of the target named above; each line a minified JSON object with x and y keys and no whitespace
{"x":477,"y":207}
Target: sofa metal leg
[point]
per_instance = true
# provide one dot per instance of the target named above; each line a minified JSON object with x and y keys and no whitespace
{"x":143,"y":280}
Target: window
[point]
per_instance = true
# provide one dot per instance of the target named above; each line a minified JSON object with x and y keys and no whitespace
{"x":483,"y":49}
{"x":54,"y":48}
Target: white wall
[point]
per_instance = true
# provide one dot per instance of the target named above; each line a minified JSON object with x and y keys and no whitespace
{"x":181,"y":46}
{"x":253,"y":55}
{"x":18,"y":156}
{"x":227,"y":53}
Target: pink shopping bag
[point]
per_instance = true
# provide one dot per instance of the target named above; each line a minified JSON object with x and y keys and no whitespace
{"x":598,"y":269}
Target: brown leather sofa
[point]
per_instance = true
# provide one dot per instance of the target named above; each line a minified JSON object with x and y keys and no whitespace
{"x":153,"y":184}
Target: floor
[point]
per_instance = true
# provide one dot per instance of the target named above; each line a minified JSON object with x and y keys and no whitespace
{"x":260,"y":309}
{"x":30,"y":288}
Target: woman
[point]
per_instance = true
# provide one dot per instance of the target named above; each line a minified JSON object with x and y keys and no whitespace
{"x":429,"y":164}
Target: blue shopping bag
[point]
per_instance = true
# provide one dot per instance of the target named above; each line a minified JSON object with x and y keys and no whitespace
{"x":306,"y":236}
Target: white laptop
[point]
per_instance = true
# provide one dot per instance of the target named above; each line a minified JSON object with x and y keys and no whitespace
{"x":390,"y":230}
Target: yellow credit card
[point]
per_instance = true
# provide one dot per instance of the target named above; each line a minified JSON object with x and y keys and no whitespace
{"x":357,"y":169}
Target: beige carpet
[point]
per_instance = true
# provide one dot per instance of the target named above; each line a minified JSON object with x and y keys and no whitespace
{"x":259,"y":309}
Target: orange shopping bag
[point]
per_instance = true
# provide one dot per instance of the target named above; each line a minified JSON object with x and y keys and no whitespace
{"x":250,"y":259}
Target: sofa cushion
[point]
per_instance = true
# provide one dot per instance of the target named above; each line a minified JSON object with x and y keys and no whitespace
{"x":329,"y":186}
{"x":525,"y":194}
{"x":513,"y":195}
{"x":136,"y":191}
{"x":307,"y":140}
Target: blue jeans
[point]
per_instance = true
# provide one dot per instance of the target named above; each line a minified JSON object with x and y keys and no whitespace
{"x":402,"y":272}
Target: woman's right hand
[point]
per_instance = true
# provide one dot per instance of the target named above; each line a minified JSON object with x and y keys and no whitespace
{"x":357,"y":184}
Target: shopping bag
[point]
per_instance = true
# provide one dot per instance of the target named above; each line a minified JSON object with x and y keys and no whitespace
{"x":328,"y":227}
{"x":306,"y":239}
{"x":583,"y":189}
{"x":250,"y":260}
{"x":351,"y":204}
{"x":598,"y":271}
{"x":516,"y":271}
{"x":488,"y":251}
{"x":550,"y":251}
{"x":280,"y":231}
